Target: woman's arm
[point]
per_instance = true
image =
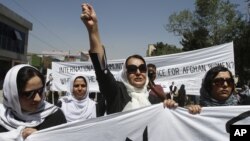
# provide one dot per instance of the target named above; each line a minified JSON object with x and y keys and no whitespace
{"x":107,"y":83}
{"x":156,"y":89}
{"x":89,"y":18}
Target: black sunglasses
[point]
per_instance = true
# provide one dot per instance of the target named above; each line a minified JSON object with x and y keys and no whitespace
{"x":32,"y":94}
{"x":221,"y":81}
{"x":132,"y":69}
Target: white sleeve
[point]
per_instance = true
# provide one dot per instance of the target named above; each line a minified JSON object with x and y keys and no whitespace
{"x":13,"y":135}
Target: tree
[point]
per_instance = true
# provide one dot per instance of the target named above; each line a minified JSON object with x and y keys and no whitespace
{"x":214,"y":22}
{"x":163,"y":49}
{"x":242,"y":51}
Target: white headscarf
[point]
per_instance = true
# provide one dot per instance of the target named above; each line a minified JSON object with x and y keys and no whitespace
{"x":11,"y":106}
{"x":78,"y":109}
{"x":139,"y":96}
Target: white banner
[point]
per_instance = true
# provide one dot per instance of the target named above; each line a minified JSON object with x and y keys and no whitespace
{"x":153,"y":123}
{"x":186,"y":68}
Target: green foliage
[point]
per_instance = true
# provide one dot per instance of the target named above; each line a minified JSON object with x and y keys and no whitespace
{"x":163,"y":49}
{"x":180,"y":23}
{"x":242,"y":52}
{"x":214,"y":22}
{"x":36,"y":61}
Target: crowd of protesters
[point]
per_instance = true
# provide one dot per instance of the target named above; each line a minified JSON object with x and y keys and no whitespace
{"x":27,"y":109}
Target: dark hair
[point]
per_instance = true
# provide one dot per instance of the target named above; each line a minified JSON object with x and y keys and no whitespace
{"x":211,"y":74}
{"x":135,"y":56}
{"x":152,"y":66}
{"x":24,"y":75}
{"x":182,"y":87}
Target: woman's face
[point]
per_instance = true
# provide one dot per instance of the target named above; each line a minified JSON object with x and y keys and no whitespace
{"x":32,"y":95}
{"x":151,"y":73}
{"x":79,"y":88}
{"x":222,"y":86}
{"x":136,"y":72}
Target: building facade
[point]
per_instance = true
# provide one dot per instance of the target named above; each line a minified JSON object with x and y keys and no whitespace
{"x":14,"y":32}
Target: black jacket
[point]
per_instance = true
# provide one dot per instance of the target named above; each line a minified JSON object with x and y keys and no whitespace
{"x":54,"y":119}
{"x":115,"y":92}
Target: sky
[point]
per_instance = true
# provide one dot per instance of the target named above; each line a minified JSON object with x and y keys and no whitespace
{"x":126,"y":26}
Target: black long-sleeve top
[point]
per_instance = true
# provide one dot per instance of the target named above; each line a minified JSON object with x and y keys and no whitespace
{"x":115,"y":92}
{"x":54,"y":119}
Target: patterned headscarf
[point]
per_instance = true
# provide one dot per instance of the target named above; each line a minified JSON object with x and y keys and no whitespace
{"x":206,"y":100}
{"x":205,"y":91}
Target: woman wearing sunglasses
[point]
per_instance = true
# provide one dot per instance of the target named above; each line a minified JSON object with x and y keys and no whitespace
{"x":217,"y":89}
{"x":77,"y":105}
{"x":130,"y":92}
{"x":24,"y":109}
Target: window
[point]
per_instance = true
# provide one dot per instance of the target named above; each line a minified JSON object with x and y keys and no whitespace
{"x":18,"y":35}
{"x":11,"y":39}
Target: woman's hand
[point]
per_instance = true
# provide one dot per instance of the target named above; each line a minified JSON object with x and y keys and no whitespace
{"x":88,"y":16}
{"x":27,"y":131}
{"x":170,"y":103}
{"x":194,"y":109}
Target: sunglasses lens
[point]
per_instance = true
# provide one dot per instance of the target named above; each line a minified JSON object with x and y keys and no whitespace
{"x":221,"y":81}
{"x":143,"y":68}
{"x":230,"y":81}
{"x":131,"y":69}
{"x":31,"y":94}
